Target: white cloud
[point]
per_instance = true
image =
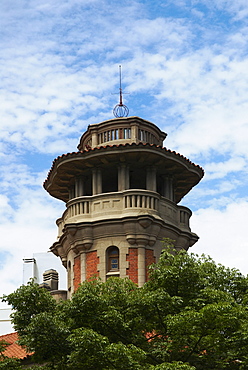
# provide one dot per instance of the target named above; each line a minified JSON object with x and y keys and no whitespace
{"x":5,"y":208}
{"x":27,"y":228}
{"x":222,"y":234}
{"x":221,"y":169}
{"x":238,"y":8}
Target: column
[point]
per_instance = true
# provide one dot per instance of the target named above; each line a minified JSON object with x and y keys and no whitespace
{"x":165,"y":187}
{"x":83,"y":266}
{"x":96,"y":181}
{"x":72,"y":192}
{"x":94,"y":139}
{"x":141,"y":265}
{"x":99,"y":181}
{"x":134,"y":132}
{"x":168,"y":188}
{"x":151,"y":178}
{"x":123,"y":177}
{"x":79,"y":186}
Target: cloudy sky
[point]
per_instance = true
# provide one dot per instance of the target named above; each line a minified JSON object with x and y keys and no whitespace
{"x":185,"y":67}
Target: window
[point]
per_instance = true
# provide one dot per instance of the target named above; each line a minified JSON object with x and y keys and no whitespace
{"x":112,"y":259}
{"x":127,"y":133}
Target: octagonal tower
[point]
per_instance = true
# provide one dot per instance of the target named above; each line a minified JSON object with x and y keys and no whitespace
{"x":121,"y":190}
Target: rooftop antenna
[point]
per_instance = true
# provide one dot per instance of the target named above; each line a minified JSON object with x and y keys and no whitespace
{"x":120,"y":110}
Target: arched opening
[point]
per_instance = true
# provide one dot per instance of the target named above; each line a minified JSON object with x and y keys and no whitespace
{"x":112,"y":261}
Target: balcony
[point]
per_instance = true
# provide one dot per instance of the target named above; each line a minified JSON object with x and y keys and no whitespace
{"x":126,"y":203}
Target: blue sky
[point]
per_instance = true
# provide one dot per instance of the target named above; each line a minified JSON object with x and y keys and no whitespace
{"x":184,"y":65}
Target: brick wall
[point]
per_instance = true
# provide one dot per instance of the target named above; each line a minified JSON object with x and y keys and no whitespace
{"x":150,"y":258}
{"x":77,"y":272}
{"x":132,"y":258}
{"x":91,"y":264}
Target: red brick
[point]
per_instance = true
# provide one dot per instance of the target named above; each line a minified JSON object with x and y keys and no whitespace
{"x":150,"y":258}
{"x":91,"y":265}
{"x":132,"y":258}
{"x":77,"y":272}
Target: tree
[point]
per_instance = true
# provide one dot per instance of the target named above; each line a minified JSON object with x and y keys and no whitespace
{"x":192,"y":314}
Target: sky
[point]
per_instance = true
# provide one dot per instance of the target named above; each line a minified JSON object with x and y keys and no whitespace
{"x":184,"y":67}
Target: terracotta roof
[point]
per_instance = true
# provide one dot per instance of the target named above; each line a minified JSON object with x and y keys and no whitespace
{"x":14,"y":349}
{"x":102,"y":147}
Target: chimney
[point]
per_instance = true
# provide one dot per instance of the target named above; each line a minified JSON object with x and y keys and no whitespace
{"x":51,"y":279}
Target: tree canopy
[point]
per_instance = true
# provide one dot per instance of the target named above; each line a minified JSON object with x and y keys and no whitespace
{"x":191,"y":314}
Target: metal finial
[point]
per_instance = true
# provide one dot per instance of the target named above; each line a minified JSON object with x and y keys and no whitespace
{"x":120,"y":110}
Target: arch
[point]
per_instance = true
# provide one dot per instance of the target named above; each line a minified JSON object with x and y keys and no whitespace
{"x":112,"y":260}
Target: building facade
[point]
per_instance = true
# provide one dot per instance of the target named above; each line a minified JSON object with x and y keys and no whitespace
{"x":121,"y":190}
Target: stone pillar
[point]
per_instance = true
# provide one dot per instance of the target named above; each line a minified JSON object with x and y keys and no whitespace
{"x":168,"y":188}
{"x":79,"y":187}
{"x":72,"y":192}
{"x":94,"y":139}
{"x":123,"y":177}
{"x":151,"y":179}
{"x":165,"y":187}
{"x":134,"y":132}
{"x":99,"y":181}
{"x":96,"y":181}
{"x":141,"y":265}
{"x":83,"y":266}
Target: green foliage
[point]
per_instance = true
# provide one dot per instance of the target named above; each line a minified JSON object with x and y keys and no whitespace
{"x":10,"y":364}
{"x":28,"y":301}
{"x":192,"y":314}
{"x":46,"y":335}
{"x":175,"y":365}
{"x":87,"y":343}
{"x":3,"y":345}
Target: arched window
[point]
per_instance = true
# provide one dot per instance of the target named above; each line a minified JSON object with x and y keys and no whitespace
{"x":112,"y":260}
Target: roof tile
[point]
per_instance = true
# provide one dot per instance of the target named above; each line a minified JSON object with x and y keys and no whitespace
{"x":13,"y":349}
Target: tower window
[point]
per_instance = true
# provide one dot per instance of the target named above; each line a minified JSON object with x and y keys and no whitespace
{"x":127,"y":133}
{"x":113,"y":259}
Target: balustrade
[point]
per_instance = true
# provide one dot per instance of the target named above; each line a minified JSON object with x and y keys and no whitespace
{"x":121,"y":204}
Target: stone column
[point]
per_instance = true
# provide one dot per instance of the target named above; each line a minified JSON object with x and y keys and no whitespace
{"x":94,"y":139}
{"x":71,"y":192}
{"x":83,"y":266}
{"x":99,"y":181}
{"x":123,"y":177}
{"x":79,"y":187}
{"x":168,"y":188}
{"x":96,"y":181}
{"x":141,"y":265}
{"x":151,"y":178}
{"x":141,"y":242}
{"x":134,"y":132}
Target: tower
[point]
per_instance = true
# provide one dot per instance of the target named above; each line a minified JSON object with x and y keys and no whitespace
{"x":121,"y":190}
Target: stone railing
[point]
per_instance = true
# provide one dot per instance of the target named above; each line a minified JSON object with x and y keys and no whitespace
{"x":120,"y":204}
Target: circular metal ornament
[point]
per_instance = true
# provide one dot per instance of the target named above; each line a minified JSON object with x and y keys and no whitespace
{"x":120,"y":110}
